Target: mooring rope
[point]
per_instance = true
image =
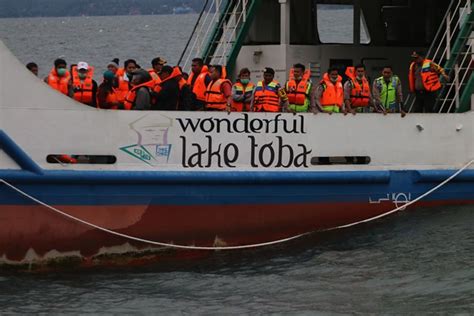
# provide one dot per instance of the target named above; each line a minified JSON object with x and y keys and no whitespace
{"x":259,"y":245}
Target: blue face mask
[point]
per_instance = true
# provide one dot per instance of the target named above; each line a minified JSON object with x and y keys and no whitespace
{"x":82,"y":75}
{"x":61,"y":72}
{"x":245,"y":81}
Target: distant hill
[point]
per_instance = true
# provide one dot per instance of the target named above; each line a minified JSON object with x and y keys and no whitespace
{"x":34,"y":8}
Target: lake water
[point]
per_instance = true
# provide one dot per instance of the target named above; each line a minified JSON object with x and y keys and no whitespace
{"x":417,"y":262}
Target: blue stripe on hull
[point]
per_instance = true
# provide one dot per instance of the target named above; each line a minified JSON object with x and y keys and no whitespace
{"x":224,"y":188}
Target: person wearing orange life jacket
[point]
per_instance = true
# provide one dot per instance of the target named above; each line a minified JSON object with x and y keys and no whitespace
{"x":329,"y":96}
{"x":167,"y":91}
{"x":185,"y":101}
{"x":107,"y":93}
{"x":85,"y":88}
{"x":157,"y":65}
{"x":140,"y":97}
{"x":357,"y":94}
{"x":268,"y":95}
{"x":242,"y":92}
{"x":125,"y":78}
{"x":424,"y":82}
{"x":59,"y":78}
{"x":219,"y":91}
{"x":198,"y":80}
{"x":299,"y":90}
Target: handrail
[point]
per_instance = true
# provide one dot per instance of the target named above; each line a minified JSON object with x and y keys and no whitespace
{"x":442,"y":48}
{"x":193,"y":32}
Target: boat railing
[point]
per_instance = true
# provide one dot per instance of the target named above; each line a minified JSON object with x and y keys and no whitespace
{"x":452,"y":48}
{"x":218,"y":33}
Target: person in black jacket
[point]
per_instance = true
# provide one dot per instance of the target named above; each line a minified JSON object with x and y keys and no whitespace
{"x":167,"y":97}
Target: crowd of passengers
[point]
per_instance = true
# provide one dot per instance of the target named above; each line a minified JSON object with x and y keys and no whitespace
{"x":207,"y":88}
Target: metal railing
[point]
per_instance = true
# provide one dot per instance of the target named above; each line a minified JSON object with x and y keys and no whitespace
{"x":216,"y":31}
{"x":447,"y":50}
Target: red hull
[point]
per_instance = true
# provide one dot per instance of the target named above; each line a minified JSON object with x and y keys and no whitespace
{"x":35,"y":235}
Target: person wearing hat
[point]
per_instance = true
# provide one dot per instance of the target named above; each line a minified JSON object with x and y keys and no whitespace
{"x":59,"y":78}
{"x":113,"y":66}
{"x":268,"y":95}
{"x":83,"y":84}
{"x":107,"y":97}
{"x":157,"y":65}
{"x":424,"y":82}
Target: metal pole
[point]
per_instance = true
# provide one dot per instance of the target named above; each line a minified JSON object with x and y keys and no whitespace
{"x":357,"y":22}
{"x":448,"y":36}
{"x":456,"y":85}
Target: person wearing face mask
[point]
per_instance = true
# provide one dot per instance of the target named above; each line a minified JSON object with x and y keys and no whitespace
{"x":125,"y":79}
{"x":242,"y":92}
{"x":329,"y":96}
{"x":85,"y":88}
{"x":299,"y":90}
{"x":107,"y":93}
{"x":357,"y":95}
{"x":59,"y":78}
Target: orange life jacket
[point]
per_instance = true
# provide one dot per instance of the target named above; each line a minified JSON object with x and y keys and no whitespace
{"x":246,"y":91}
{"x":120,"y":72}
{"x":112,"y":98}
{"x":176,"y":73}
{"x":215,"y":98}
{"x":83,"y":88}
{"x":297,"y":94}
{"x":123,"y":88}
{"x":266,"y":97}
{"x":60,"y":84}
{"x":132,"y":94}
{"x":333,"y":94}
{"x":430,"y":78}
{"x":199,"y":88}
{"x":360,"y":94}
{"x":154,"y":76}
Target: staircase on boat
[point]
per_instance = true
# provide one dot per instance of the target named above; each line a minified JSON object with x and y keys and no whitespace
{"x":219,"y":32}
{"x":453,"y":48}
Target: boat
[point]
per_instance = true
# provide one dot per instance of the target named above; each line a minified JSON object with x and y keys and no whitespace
{"x":83,"y":187}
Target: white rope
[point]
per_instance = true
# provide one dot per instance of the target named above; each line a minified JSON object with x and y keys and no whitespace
{"x":260,"y":245}
{"x":404,"y":206}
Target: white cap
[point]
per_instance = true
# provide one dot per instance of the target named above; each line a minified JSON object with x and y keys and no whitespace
{"x":82,"y":65}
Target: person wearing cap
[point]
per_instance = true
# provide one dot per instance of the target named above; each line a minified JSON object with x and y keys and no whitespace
{"x":242,"y":92}
{"x":157,"y":65}
{"x":140,"y":97}
{"x":59,"y":78}
{"x":424,"y":82}
{"x":107,"y":93}
{"x":83,"y":84}
{"x":329,"y":96}
{"x":268,"y":95}
{"x":357,"y":94}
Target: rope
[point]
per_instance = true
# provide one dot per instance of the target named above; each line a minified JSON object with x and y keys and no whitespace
{"x":259,"y":245}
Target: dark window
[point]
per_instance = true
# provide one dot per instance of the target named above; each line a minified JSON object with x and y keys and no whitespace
{"x":349,"y":160}
{"x":81,"y":159}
